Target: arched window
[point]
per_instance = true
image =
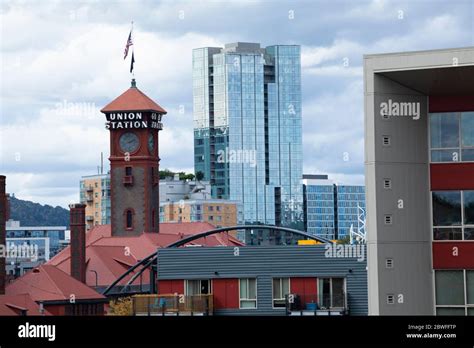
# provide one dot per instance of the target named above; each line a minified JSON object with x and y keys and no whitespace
{"x":129,"y":219}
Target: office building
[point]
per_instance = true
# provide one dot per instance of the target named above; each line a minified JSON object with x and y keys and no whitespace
{"x":332,"y":209}
{"x":247,"y":128}
{"x":95,"y":194}
{"x":419,"y":154}
{"x":172,"y":189}
{"x":350,"y":208}
{"x":218,"y":212}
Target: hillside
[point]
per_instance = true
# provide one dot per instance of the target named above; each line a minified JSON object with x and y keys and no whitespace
{"x":35,"y":214}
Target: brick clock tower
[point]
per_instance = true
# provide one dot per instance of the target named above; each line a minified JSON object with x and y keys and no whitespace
{"x":134,"y":121}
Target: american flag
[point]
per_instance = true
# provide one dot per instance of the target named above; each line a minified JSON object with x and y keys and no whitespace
{"x":127,"y":46}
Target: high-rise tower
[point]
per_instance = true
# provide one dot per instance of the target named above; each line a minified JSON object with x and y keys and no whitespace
{"x":248,"y":128}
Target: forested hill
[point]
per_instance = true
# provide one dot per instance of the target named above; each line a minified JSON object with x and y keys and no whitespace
{"x":35,"y":214}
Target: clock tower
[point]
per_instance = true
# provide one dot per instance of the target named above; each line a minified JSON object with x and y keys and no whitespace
{"x":134,"y":121}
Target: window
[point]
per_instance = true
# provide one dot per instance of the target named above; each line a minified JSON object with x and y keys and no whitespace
{"x":331,"y":292}
{"x":470,"y":287}
{"x":210,"y":218}
{"x":468,"y":204}
{"x":388,"y":219}
{"x":219,"y":218}
{"x":210,"y":208}
{"x":218,"y":208}
{"x":386,"y":140}
{"x":95,"y":184}
{"x":248,"y":292}
{"x":446,"y":208}
{"x":452,"y":136}
{"x":449,"y":287}
{"x":281,"y":288}
{"x":390,"y":299}
{"x":387,"y":184}
{"x":129,"y":219}
{"x":454,"y":292}
{"x":128,"y":171}
{"x":198,"y":287}
{"x":389,"y":263}
{"x":453,"y":215}
{"x":444,"y":130}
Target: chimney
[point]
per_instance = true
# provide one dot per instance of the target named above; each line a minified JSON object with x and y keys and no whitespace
{"x":77,"y":224}
{"x":3,"y":218}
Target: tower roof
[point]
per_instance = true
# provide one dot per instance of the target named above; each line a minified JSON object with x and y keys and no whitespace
{"x":133,"y":100}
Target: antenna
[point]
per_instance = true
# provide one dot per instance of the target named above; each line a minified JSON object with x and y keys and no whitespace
{"x":101,"y":162}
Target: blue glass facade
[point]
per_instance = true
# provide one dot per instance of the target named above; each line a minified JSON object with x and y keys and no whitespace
{"x":349,"y":198}
{"x":320,"y":210}
{"x":247,"y":129}
{"x":331,"y":209}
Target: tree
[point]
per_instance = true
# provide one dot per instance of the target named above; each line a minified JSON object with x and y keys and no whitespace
{"x":165,"y":173}
{"x":199,"y":175}
{"x":121,"y":306}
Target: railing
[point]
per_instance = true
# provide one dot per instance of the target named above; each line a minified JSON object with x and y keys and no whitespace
{"x":311,"y":304}
{"x":172,"y":304}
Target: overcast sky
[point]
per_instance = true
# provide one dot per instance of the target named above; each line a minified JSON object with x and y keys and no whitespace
{"x":63,"y":61}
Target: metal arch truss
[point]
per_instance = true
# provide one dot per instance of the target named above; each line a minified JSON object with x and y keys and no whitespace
{"x":150,"y":259}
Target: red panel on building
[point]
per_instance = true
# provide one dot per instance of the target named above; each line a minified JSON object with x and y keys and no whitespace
{"x":171,"y":286}
{"x":452,"y":176}
{"x":305,"y":288}
{"x":451,"y":103}
{"x":225,"y":293}
{"x":453,"y":255}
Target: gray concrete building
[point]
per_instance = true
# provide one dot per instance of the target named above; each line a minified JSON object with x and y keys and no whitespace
{"x":409,"y":269}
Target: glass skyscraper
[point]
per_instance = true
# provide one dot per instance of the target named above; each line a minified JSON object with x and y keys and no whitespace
{"x":247,"y":128}
{"x":350,"y":200}
{"x":331,"y":209}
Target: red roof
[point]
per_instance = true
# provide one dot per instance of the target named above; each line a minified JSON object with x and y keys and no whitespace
{"x":133,"y":100}
{"x":15,"y":304}
{"x":112,"y":256}
{"x":49,"y":283}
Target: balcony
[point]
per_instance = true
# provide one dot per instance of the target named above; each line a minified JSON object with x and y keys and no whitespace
{"x":310,"y":305}
{"x":172,"y":305}
{"x":89,"y":199}
{"x":90,"y":189}
{"x":89,"y":218}
{"x":128,"y":180}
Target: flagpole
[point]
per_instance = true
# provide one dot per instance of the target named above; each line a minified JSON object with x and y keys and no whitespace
{"x":133,"y":51}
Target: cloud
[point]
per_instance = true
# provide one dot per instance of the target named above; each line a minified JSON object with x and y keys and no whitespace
{"x":62,"y":61}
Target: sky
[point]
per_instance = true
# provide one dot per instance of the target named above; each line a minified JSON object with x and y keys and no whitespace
{"x":62,"y":61}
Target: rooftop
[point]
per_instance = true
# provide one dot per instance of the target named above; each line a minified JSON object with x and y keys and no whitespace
{"x":112,"y":256}
{"x":133,"y":100}
{"x":49,"y":283}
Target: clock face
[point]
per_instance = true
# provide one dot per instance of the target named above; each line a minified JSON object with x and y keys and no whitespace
{"x":129,"y":142}
{"x":151,"y":142}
